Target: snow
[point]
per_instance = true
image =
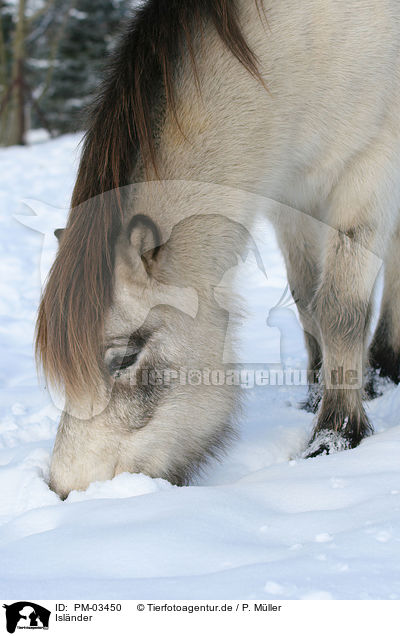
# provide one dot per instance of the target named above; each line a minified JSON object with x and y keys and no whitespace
{"x":263,"y":523}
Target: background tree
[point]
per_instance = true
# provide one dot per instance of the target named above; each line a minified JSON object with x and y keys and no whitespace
{"x":52,"y":53}
{"x":13,"y":102}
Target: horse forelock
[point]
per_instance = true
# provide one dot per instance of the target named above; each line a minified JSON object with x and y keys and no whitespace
{"x":120,"y":135}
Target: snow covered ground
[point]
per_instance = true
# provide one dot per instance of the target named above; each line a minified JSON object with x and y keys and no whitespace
{"x":257,"y":525}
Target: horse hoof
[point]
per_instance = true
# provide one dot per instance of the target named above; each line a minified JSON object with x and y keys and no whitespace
{"x":325,"y":443}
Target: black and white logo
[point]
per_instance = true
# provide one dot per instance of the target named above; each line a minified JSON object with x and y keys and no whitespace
{"x":26,"y":615}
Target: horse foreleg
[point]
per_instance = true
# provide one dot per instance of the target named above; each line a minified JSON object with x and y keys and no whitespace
{"x":351,"y":258}
{"x":384,"y":355}
{"x":298,"y":239}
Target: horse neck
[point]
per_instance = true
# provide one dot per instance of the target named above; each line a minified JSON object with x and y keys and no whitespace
{"x":210,"y":138}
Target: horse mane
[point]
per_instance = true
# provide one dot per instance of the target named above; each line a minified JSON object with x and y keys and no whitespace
{"x":121,"y":132}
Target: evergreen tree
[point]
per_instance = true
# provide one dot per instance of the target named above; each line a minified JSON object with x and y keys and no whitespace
{"x":86,"y":33}
{"x":52,"y":54}
{"x":12,"y":99}
{"x":6,"y":27}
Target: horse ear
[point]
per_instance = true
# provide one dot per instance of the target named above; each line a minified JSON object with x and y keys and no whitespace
{"x":144,"y":237}
{"x":58,"y":233}
{"x":149,"y":258}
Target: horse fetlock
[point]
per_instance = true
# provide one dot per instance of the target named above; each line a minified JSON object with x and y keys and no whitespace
{"x":342,"y":423}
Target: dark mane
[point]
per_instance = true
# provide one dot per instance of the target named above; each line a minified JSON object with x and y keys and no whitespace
{"x":120,"y":132}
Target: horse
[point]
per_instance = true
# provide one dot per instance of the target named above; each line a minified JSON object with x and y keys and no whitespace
{"x":211,"y":109}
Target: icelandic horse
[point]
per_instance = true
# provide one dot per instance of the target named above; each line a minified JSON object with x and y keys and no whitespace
{"x":209,"y":110}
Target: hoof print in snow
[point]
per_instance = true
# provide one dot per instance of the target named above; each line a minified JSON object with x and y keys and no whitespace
{"x":326,"y":443}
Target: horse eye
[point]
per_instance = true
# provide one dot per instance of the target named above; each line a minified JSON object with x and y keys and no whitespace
{"x":120,"y":360}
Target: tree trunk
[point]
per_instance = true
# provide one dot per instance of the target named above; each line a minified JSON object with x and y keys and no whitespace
{"x":13,"y":119}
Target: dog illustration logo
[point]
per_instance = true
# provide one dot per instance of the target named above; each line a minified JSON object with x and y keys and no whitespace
{"x":26,"y":615}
